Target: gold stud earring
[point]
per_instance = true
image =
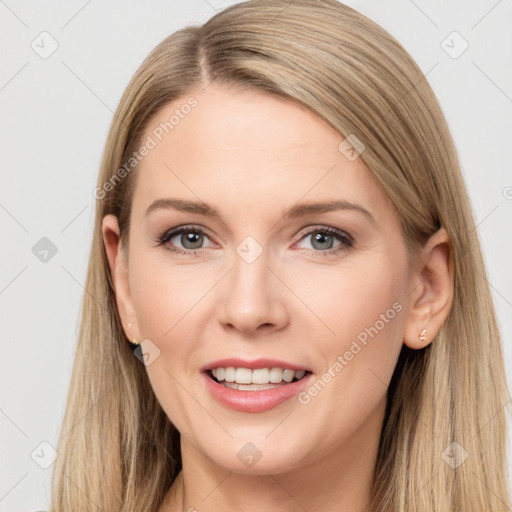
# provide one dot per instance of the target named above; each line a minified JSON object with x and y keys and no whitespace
{"x":422,"y":335}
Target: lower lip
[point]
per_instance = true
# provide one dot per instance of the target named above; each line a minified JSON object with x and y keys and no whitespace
{"x":254,"y":401}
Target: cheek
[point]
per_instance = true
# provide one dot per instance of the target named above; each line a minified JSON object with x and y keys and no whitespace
{"x":167,"y":301}
{"x":364,"y":309}
{"x":359,"y":300}
{"x":167,"y":304}
{"x":164,"y":296}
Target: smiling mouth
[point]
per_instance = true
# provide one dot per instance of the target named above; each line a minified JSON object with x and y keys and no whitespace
{"x":260,"y":379}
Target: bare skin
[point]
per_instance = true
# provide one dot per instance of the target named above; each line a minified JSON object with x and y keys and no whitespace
{"x":251,"y":156}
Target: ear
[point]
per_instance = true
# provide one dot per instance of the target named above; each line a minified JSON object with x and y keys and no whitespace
{"x":119,"y":271}
{"x":431,"y":295}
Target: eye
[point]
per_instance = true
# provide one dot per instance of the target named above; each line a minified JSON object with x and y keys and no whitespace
{"x":191,"y":239}
{"x":323,"y":239}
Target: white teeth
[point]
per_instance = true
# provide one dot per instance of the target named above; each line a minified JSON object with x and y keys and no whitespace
{"x":288,"y":375}
{"x":260,"y":376}
{"x":229,"y":375}
{"x":250,"y":387}
{"x":257,"y":376}
{"x":243,"y":376}
{"x":276,"y":375}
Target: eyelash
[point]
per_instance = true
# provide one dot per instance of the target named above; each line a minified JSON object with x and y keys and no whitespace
{"x":347,"y":242}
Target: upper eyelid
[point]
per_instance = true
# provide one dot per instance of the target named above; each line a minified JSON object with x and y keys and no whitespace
{"x":328,"y":229}
{"x":178,"y":230}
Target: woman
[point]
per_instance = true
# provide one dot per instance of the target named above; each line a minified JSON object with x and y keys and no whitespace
{"x":287,"y":306}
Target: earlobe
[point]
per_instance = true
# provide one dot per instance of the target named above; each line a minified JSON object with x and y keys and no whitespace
{"x":119,"y":274}
{"x":432,"y":289}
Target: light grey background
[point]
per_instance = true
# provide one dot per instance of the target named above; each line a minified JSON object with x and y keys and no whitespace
{"x":55,"y":113}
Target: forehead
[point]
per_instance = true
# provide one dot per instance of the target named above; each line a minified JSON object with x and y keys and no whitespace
{"x":247,"y":147}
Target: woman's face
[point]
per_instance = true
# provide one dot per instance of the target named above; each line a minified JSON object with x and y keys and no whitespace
{"x":322,"y":290}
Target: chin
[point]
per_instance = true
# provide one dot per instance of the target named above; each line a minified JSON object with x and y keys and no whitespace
{"x":258,"y":456}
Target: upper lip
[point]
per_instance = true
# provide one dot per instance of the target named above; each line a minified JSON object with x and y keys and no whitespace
{"x":254,"y":364}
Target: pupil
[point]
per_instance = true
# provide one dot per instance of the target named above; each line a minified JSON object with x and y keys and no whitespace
{"x":318,"y":238}
{"x":189,"y":238}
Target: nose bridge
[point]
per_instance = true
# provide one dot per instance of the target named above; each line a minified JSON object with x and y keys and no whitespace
{"x":250,"y":266}
{"x":252,"y":297}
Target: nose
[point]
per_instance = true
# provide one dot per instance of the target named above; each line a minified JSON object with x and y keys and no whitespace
{"x":253,"y":297}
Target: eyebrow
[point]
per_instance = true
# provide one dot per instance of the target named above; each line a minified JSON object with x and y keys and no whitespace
{"x":296,"y":211}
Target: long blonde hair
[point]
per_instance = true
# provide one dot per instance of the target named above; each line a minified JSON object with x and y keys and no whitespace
{"x":117,"y":450}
